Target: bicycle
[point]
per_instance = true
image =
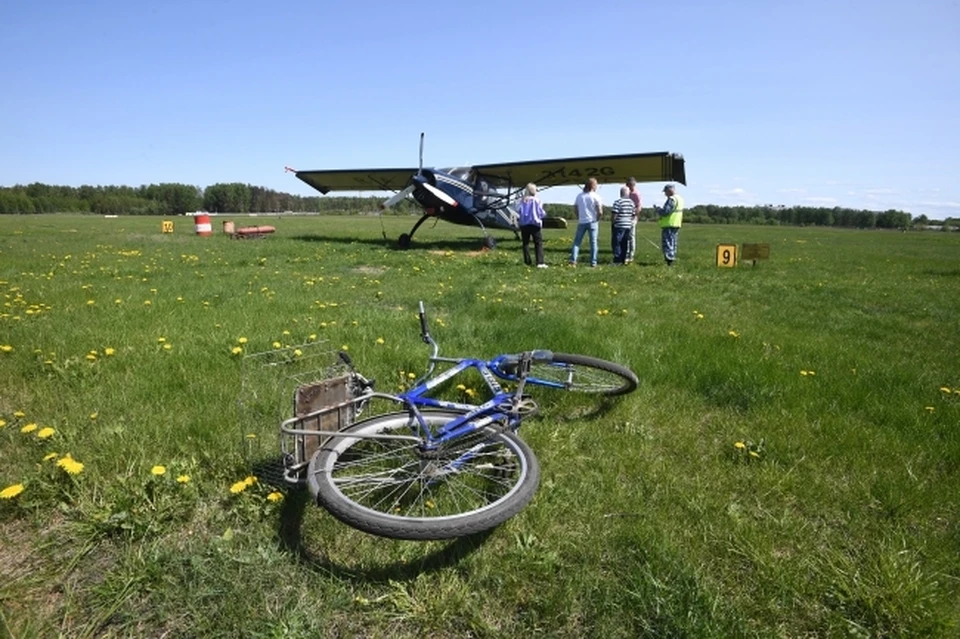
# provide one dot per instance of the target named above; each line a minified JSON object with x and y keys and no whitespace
{"x":436,"y":469}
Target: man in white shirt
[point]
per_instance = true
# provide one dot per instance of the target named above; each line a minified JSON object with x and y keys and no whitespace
{"x":589,"y":211}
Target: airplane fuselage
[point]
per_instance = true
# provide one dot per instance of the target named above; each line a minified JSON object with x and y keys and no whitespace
{"x":459,"y":201}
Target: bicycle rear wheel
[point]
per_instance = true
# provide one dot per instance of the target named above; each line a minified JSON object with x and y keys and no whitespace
{"x":393,"y":488}
{"x":578,"y":373}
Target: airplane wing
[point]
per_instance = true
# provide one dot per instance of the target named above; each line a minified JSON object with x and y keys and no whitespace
{"x":357,"y":179}
{"x":645,"y":167}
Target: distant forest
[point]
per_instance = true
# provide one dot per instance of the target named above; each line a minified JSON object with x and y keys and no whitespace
{"x":235,"y":197}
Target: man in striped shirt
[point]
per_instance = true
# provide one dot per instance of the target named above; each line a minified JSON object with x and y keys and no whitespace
{"x":624,"y":216}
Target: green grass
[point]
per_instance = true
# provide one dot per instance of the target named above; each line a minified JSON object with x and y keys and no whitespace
{"x":649,"y":520}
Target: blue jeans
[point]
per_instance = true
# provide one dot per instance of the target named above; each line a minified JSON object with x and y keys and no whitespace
{"x":668,"y":242}
{"x":587,"y":227}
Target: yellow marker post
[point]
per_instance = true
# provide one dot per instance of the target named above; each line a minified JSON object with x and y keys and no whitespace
{"x":166,"y":226}
{"x":726,"y":255}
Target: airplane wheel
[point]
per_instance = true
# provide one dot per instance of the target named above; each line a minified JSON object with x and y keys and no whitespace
{"x":489,"y":243}
{"x":404,"y":241}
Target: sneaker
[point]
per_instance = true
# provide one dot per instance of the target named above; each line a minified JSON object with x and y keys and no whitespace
{"x":542,"y":266}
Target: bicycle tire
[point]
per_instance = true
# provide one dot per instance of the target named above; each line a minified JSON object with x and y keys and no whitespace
{"x":578,"y":373}
{"x":389,"y":488}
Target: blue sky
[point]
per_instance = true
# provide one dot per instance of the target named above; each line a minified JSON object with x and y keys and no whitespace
{"x":820,"y":103}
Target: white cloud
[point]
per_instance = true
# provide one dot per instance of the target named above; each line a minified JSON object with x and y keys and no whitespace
{"x":942,"y":205}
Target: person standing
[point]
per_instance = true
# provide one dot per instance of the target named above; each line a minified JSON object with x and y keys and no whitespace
{"x":624,"y":218}
{"x":589,"y":211}
{"x":638,"y":206}
{"x":671,"y":219}
{"x":531,"y":222}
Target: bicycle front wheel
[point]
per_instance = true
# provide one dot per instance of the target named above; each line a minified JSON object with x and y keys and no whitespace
{"x":582,"y":374}
{"x":395,"y":488}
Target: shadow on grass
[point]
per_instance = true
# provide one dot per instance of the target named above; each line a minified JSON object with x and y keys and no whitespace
{"x":295,"y":504}
{"x":291,"y":520}
{"x":591,"y":412}
{"x":440,"y":244}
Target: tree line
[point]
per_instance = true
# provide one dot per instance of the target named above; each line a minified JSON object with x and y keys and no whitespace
{"x":176,"y":199}
{"x":236,"y":197}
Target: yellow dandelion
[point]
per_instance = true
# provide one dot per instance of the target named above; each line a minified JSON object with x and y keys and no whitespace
{"x":380,"y":340}
{"x":6,"y":348}
{"x":251,"y":436}
{"x":94,"y":415}
{"x":740,"y":446}
{"x":699,"y":316}
{"x":755,"y":454}
{"x":236,"y":350}
{"x":242,"y":340}
{"x":275,"y":496}
{"x":3,"y":423}
{"x":945,"y":389}
{"x":161,"y":340}
{"x":29,"y":428}
{"x":250,"y":480}
{"x":91,"y":357}
{"x":167,"y":347}
{"x":804,"y":373}
{"x":183,"y":479}
{"x":277,"y":345}
{"x":470,"y":392}
{"x":461,"y":387}
{"x":70,"y":465}
{"x":158,"y":470}
{"x":90,"y":302}
{"x":11,"y":491}
{"x":147,"y":303}
{"x":733,"y":334}
{"x":929,"y":409}
{"x":49,"y":456}
{"x":238,"y":487}
{"x":312,"y":337}
{"x":45,"y":433}
{"x":109,"y":352}
{"x":297,"y":352}
{"x":19,"y":414}
{"x":344,"y":348}
{"x":118,"y":301}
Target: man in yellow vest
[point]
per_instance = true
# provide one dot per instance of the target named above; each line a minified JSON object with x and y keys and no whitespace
{"x":671,"y":219}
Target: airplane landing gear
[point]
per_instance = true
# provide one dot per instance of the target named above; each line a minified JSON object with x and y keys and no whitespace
{"x":404,"y":241}
{"x":489,"y":243}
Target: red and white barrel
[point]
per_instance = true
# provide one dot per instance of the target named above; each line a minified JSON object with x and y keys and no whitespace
{"x":201,"y":224}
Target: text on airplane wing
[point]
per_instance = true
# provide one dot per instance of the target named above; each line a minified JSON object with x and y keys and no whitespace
{"x":357,"y":179}
{"x":644,"y":167}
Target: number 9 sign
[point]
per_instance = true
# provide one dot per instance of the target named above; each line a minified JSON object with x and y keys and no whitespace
{"x":726,"y":255}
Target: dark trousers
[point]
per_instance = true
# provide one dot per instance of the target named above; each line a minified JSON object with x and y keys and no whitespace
{"x":620,"y":240}
{"x":527,"y":232}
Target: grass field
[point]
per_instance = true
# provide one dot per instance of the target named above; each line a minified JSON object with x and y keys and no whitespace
{"x":789,"y":465}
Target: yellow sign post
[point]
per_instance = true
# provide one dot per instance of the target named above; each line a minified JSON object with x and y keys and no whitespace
{"x":726,"y":255}
{"x":167,"y":226}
